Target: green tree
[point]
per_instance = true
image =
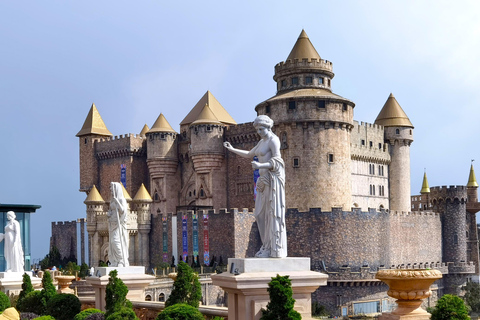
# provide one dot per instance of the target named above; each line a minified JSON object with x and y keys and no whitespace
{"x":48,"y":290}
{"x":186,"y":288}
{"x":83,"y":270}
{"x":4,"y":301}
{"x":86,"y":313}
{"x":64,"y":306}
{"x":124,"y":313}
{"x":115,"y":294}
{"x":450,"y":307}
{"x":472,"y":296}
{"x":27,"y":287}
{"x":281,"y":301}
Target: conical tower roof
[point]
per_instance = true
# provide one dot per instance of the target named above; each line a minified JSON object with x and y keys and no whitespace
{"x":125,"y":193}
{"x":425,"y":187}
{"x":144,"y":130}
{"x":142,"y":194}
{"x":94,"y":124}
{"x":206,"y":117}
{"x":94,"y":196}
{"x":220,"y":113}
{"x":161,"y":125}
{"x":392,"y":115}
{"x":472,"y":180}
{"x":303,"y":49}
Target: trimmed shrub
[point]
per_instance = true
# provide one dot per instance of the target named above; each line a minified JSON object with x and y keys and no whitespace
{"x":186,"y":288}
{"x":281,"y":301}
{"x":180,"y":311}
{"x":32,"y":303}
{"x":472,"y":296}
{"x":85,"y":313}
{"x":27,"y":287}
{"x":64,"y":306}
{"x":28,"y":315}
{"x":124,"y":313}
{"x":115,"y":294}
{"x":4,"y":301}
{"x":450,"y":307}
{"x":48,"y":290}
{"x":45,"y":318}
{"x":96,"y":316}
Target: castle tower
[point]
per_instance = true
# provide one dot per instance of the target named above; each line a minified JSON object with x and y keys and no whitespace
{"x":425,"y":192}
{"x":141,"y":204}
{"x":144,"y":131}
{"x":399,"y":134}
{"x":93,"y":128}
{"x":314,"y":126}
{"x":473,"y":206}
{"x":162,"y":161}
{"x":95,"y":208}
{"x":208,"y":153}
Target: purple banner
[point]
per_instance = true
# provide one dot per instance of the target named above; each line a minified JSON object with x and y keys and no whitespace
{"x":206,"y":253}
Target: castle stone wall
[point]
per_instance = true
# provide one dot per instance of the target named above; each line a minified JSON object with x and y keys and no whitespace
{"x":64,"y":237}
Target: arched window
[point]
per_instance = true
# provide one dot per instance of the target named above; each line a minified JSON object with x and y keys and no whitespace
{"x":148,"y":298}
{"x":397,"y":131}
{"x":161,"y":297}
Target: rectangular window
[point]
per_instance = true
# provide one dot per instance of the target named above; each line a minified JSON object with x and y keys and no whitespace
{"x":296,"y":162}
{"x":345,"y":107}
{"x":363,"y":142}
{"x":267,"y":109}
{"x":284,"y":83}
{"x":209,"y":128}
{"x":329,"y":82}
{"x":371,"y":144}
{"x":330,"y":157}
{"x":294,"y":80}
{"x":321,"y":104}
{"x":292,"y":105}
{"x":380,"y":146}
{"x":308,"y":80}
{"x":320,"y":80}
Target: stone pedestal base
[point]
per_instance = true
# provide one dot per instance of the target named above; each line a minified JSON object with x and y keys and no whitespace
{"x":135,"y":281}
{"x":246,"y":283}
{"x":11,"y":282}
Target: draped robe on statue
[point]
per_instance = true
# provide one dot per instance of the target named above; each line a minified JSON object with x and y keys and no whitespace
{"x":13,"y":247}
{"x":117,"y":228}
{"x":270,"y":209}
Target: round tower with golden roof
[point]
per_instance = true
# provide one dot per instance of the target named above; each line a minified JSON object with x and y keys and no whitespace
{"x":141,"y":204}
{"x":95,"y":207}
{"x":399,"y":134}
{"x":162,"y":162}
{"x":314,"y":126}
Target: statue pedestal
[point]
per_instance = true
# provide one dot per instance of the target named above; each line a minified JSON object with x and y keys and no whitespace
{"x":11,"y":282}
{"x":134,"y":278}
{"x":246,"y":283}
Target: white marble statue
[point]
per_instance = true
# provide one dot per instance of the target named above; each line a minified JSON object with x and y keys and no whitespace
{"x":270,"y":200}
{"x":13,"y":245}
{"x":117,"y":227}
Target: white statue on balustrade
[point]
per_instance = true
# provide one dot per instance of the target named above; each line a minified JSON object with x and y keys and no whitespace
{"x":13,"y":250}
{"x":117,"y":227}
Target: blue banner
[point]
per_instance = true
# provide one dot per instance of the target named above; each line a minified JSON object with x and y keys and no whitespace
{"x":256,"y":175}
{"x":165,"y":240}
{"x":123,"y":174}
{"x":184,"y":237}
{"x":195,"y":236}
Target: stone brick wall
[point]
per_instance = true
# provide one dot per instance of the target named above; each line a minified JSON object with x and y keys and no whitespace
{"x":64,"y":237}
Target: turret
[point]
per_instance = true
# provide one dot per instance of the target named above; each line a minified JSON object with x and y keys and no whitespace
{"x":95,"y":207}
{"x":399,"y":134}
{"x":93,"y":128}
{"x":314,"y":127}
{"x":473,"y":206}
{"x":472,"y":186}
{"x":162,"y":161}
{"x":141,"y":204}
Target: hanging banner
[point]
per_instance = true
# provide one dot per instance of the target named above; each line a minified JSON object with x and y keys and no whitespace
{"x":256,"y":175}
{"x":165,"y":240}
{"x":123,"y":174}
{"x":206,"y":252}
{"x":195,"y":236}
{"x":184,"y":237}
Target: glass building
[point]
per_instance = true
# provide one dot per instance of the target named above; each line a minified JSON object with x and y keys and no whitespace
{"x":23,"y":212}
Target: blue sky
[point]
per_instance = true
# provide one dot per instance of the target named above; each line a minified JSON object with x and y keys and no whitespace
{"x":137,"y":59}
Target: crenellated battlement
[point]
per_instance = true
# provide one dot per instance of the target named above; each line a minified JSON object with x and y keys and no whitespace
{"x":368,"y":154}
{"x":119,"y":146}
{"x":64,"y":223}
{"x":450,"y":192}
{"x":312,"y":63}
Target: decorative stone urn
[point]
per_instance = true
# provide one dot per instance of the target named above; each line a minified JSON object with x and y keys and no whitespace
{"x":64,"y":283}
{"x":409,"y":287}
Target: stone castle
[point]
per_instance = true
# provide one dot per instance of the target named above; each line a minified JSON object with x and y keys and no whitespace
{"x":347,"y":189}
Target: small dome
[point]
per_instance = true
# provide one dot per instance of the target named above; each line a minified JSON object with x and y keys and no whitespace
{"x":94,"y":196}
{"x":392,"y":115}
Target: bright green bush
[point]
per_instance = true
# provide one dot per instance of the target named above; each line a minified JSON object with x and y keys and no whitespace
{"x":186,"y":288}
{"x":32,"y":303}
{"x":115,"y":295}
{"x":4,"y":301}
{"x":45,"y":318}
{"x":124,"y":313}
{"x":27,"y":287}
{"x":180,"y":312}
{"x":281,"y":301}
{"x":85,"y":313}
{"x":450,"y":307}
{"x":64,"y":306}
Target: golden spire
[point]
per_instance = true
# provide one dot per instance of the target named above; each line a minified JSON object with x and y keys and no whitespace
{"x":472,"y":180}
{"x":219,"y":112}
{"x":303,"y":49}
{"x":94,"y":124}
{"x":144,"y":130}
{"x":206,"y":117}
{"x":125,"y":193}
{"x":392,"y":115}
{"x":94,"y":196}
{"x":161,"y":125}
{"x":425,"y":187}
{"x":142,"y":194}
